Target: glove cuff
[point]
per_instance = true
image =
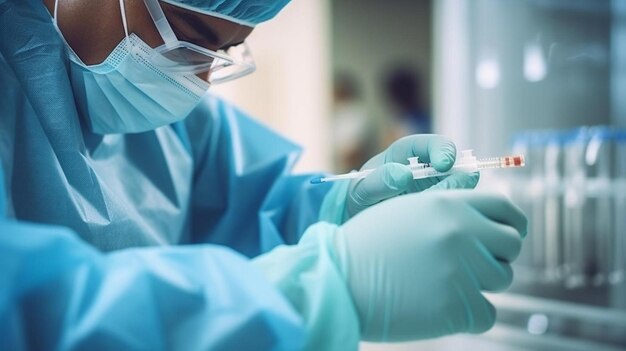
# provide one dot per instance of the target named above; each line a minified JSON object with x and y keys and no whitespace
{"x":308,"y":276}
{"x":334,"y":205}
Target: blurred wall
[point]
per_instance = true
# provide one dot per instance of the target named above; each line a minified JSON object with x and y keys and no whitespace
{"x":369,"y":36}
{"x":618,"y":63}
{"x":290,"y":91}
{"x":506,"y":66}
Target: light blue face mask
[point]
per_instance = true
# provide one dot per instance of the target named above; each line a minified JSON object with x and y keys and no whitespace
{"x":128,"y":94}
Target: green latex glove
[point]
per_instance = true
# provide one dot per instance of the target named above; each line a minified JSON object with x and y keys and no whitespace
{"x":416,"y":264}
{"x":393,"y":177}
{"x":309,"y":278}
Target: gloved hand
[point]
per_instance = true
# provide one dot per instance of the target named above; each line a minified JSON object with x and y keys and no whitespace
{"x":393,"y":177}
{"x":416,"y":264}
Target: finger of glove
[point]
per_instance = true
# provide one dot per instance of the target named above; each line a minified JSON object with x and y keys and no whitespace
{"x":502,"y":241}
{"x":457,"y":181}
{"x":384,"y":182}
{"x":484,"y":313}
{"x":491,"y":274}
{"x":477,"y":314}
{"x":418,"y":185}
{"x":440,"y":151}
{"x":498,"y":208}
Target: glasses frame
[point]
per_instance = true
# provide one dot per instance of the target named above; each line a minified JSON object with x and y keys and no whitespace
{"x":244,"y":65}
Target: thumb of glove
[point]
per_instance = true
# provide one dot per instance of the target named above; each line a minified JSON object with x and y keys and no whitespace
{"x":442,"y":153}
{"x":386,"y":181}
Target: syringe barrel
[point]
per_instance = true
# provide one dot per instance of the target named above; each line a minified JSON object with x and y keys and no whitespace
{"x":431,"y":172}
{"x":502,"y":162}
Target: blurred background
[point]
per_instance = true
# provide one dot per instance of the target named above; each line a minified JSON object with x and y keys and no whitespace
{"x":545,"y":78}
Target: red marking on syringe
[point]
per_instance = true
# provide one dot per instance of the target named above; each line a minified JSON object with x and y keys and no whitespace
{"x":513,"y":161}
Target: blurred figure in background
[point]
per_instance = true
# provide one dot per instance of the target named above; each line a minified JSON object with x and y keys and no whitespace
{"x":403,"y":94}
{"x":352,"y":127}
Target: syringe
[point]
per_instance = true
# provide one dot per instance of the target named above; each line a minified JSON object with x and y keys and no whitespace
{"x":467,"y":163}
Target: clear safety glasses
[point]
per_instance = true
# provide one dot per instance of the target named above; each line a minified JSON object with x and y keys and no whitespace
{"x":181,"y":56}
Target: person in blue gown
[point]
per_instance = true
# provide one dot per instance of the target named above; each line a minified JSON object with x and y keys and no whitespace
{"x":139,"y":212}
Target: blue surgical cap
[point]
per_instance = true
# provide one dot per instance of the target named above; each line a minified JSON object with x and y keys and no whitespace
{"x":246,"y":12}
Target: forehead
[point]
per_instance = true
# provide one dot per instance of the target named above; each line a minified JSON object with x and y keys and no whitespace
{"x":204,"y":30}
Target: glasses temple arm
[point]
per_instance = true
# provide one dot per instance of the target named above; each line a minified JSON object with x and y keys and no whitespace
{"x":161,"y":23}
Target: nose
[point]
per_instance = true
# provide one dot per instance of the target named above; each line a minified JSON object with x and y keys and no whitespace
{"x":204,"y":75}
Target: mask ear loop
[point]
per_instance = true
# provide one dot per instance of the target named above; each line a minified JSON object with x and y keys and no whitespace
{"x":124,"y":23}
{"x":130,"y":44}
{"x":56,"y":9}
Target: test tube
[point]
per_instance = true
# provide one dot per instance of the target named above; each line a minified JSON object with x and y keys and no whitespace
{"x":574,"y":254}
{"x":618,"y":271}
{"x":598,"y":157}
{"x":553,"y":165}
{"x":537,"y":206}
{"x":522,"y":194}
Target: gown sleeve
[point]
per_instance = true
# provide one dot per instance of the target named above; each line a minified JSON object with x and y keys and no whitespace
{"x":58,"y":293}
{"x":244,"y":194}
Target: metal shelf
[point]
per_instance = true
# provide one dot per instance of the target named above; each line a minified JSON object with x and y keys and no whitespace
{"x":506,"y":336}
{"x":547,"y":321}
{"x":529,"y":304}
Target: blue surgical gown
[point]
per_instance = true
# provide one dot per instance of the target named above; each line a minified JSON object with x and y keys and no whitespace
{"x":88,"y":223}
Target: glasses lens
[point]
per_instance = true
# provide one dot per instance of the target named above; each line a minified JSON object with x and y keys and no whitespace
{"x":188,"y":56}
{"x":224,"y":65}
{"x":229,"y":72}
{"x":242,"y":64}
